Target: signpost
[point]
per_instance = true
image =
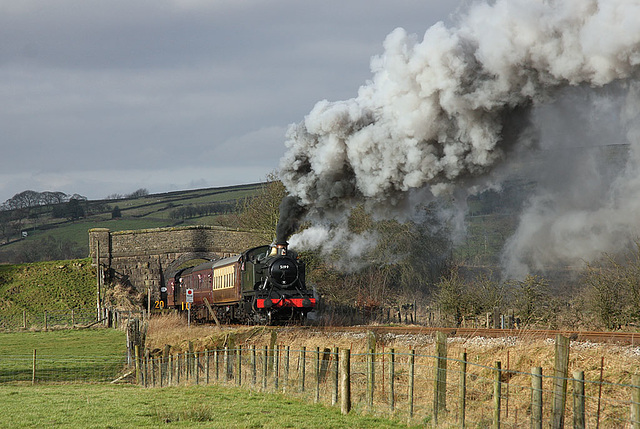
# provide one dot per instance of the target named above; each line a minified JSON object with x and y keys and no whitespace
{"x":189,"y":301}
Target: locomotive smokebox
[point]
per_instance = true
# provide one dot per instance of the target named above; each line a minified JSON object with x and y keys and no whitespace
{"x":281,"y":248}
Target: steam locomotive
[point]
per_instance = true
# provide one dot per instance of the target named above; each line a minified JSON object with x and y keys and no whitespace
{"x":265,"y":284}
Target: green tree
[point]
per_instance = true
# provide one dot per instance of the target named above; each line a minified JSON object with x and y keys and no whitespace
{"x":74,"y":209}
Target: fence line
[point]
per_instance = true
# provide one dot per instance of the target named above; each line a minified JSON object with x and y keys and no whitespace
{"x":421,"y":388}
{"x":48,"y":319}
{"x":39,"y":368}
{"x":433,"y":389}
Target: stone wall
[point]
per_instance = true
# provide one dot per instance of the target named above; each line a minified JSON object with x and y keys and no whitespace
{"x":145,"y":257}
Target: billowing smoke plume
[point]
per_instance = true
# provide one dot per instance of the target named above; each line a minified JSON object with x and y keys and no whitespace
{"x":442,"y":114}
{"x":291,"y":213}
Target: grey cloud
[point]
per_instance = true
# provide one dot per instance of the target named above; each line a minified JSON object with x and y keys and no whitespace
{"x":129,"y":82}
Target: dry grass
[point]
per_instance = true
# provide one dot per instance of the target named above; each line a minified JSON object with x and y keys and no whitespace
{"x":517,"y":356}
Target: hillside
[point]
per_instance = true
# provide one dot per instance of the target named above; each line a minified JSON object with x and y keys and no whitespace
{"x":40,"y":233}
{"x":54,"y":286}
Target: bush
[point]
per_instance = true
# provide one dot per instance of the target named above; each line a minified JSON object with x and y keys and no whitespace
{"x":612,"y":294}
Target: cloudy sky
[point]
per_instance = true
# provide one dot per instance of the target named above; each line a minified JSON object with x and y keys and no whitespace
{"x":104,"y":97}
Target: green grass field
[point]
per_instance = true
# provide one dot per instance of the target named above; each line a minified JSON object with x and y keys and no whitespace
{"x":70,"y":356}
{"x":127,"y":406}
{"x":61,"y":356}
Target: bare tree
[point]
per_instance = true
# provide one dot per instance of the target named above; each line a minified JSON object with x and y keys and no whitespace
{"x":142,"y":192}
{"x":612,"y":292}
{"x":48,"y":197}
{"x":24,"y":200}
{"x":261,"y":212}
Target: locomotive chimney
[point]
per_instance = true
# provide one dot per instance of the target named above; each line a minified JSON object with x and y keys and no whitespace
{"x":281,"y":248}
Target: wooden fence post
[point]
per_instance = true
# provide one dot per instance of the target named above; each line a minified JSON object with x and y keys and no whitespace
{"x":196,"y":367}
{"x":371,"y":371}
{"x":302,"y":364}
{"x":345,"y":377}
{"x":239,"y":366}
{"x":161,"y":369}
{"x":206,"y":365}
{"x":325,"y":361}
{"x":462,"y":401}
{"x":145,"y":366}
{"x":392,"y":379}
{"x":578,"y":400}
{"x":137,"y":363}
{"x":285,"y":383}
{"x":317,"y":375}
{"x":412,"y":361}
{"x":560,"y":374}
{"x":191,"y":359}
{"x":225,"y":364}
{"x":265,"y":367}
{"x":177,"y":368}
{"x":165,"y":362}
{"x":152,"y":362}
{"x":536,"y":398}
{"x":254,"y":371}
{"x":216,"y":362}
{"x":497,"y":392}
{"x":440,"y":383}
{"x":170,"y":370}
{"x":334,"y":396}
{"x":635,"y":402}
{"x":600,"y":392}
{"x":33,"y":368}
{"x":276,"y":367}
{"x":186,"y":365}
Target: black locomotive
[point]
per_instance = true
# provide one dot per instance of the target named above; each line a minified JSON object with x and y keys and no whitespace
{"x":264,"y":284}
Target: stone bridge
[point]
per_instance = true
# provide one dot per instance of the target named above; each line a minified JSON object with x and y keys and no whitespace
{"x":144,"y":258}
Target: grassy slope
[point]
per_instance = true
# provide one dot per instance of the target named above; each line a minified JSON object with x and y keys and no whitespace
{"x":51,"y":286}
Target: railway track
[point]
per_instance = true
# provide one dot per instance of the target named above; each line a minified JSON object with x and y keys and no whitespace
{"x":623,"y":338}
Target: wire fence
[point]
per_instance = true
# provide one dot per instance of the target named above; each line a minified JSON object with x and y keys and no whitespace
{"x":419,"y":388}
{"x":433,"y":389}
{"x":47,"y":319}
{"x":55,"y":369}
{"x":82,"y":317}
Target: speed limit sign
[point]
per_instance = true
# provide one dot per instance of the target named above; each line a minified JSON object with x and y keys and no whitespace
{"x":189,"y":295}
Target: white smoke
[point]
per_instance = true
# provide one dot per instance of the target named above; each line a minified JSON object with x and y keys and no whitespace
{"x":588,"y":198}
{"x":330,"y":239}
{"x":442,"y":114}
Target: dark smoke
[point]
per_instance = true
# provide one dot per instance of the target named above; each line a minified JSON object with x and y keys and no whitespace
{"x":291,"y":214}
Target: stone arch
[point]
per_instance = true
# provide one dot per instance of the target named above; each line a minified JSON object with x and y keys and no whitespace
{"x":172,"y":267}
